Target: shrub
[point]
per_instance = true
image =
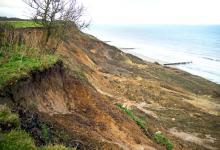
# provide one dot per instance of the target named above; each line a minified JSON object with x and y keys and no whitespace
{"x":161,"y":139}
{"x":16,"y":140}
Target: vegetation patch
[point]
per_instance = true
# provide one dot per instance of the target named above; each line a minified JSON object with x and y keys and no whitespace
{"x":17,"y":139}
{"x":56,"y":147}
{"x":8,"y":120}
{"x":17,"y":61}
{"x":22,"y":24}
{"x":138,"y":121}
{"x":161,"y":139}
{"x":45,"y":132}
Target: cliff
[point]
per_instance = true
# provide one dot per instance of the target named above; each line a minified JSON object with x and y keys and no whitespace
{"x":78,"y":95}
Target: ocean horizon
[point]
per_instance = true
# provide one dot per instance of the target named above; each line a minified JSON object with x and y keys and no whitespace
{"x":199,"y":44}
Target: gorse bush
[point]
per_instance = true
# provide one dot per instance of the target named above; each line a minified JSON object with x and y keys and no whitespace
{"x":161,"y":139}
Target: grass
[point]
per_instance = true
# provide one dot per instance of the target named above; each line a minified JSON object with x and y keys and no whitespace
{"x":161,"y":139}
{"x":158,"y":136}
{"x":23,"y":24}
{"x":45,"y":132}
{"x":7,"y":118}
{"x":18,"y":61}
{"x":17,"y":139}
{"x":138,"y":121}
{"x":56,"y":147}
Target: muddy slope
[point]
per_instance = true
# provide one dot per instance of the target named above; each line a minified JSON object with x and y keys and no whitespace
{"x":69,"y":101}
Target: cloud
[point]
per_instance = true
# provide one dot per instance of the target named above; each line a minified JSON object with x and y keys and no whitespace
{"x":12,"y":3}
{"x":137,"y":11}
{"x":154,"y":11}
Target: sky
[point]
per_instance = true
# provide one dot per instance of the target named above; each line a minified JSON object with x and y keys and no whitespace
{"x":135,"y":11}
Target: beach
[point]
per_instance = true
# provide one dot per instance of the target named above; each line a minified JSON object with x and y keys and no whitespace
{"x":169,"y":44}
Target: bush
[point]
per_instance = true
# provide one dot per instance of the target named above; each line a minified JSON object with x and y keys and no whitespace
{"x":16,"y":140}
{"x":161,"y":139}
{"x":8,"y":120}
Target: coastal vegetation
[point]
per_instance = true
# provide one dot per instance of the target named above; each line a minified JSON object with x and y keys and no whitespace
{"x":138,"y":121}
{"x":20,"y":24}
{"x":17,"y":61}
{"x":13,"y":137}
{"x":161,"y":139}
{"x":158,"y":136}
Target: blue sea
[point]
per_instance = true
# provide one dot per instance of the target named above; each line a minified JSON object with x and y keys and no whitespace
{"x":199,"y":44}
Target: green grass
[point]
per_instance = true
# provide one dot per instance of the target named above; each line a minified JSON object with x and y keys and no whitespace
{"x":7,"y":118}
{"x":18,"y":61}
{"x":16,"y":140}
{"x":56,"y":147}
{"x":23,"y":24}
{"x":161,"y":139}
{"x":158,"y":136}
{"x":138,"y":121}
{"x":45,"y":132}
{"x":21,"y":140}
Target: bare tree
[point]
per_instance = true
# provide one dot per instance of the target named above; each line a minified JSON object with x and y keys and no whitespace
{"x":57,"y":14}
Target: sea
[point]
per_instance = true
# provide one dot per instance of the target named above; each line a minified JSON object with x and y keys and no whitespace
{"x":197,"y":44}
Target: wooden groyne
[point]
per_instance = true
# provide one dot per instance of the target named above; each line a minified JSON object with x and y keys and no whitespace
{"x":178,"y":63}
{"x":129,"y":48}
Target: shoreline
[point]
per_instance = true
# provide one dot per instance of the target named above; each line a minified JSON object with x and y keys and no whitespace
{"x":205,"y":59}
{"x":154,"y":60}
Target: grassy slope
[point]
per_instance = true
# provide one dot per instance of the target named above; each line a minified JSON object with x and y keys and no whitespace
{"x":18,"y":61}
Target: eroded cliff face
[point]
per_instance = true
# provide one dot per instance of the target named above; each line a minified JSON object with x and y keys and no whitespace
{"x":79,"y":94}
{"x":68,"y":100}
{"x":181,"y":105}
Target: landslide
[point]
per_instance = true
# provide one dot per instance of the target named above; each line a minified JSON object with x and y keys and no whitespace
{"x":186,"y":108}
{"x":66,"y":100}
{"x":79,"y":95}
